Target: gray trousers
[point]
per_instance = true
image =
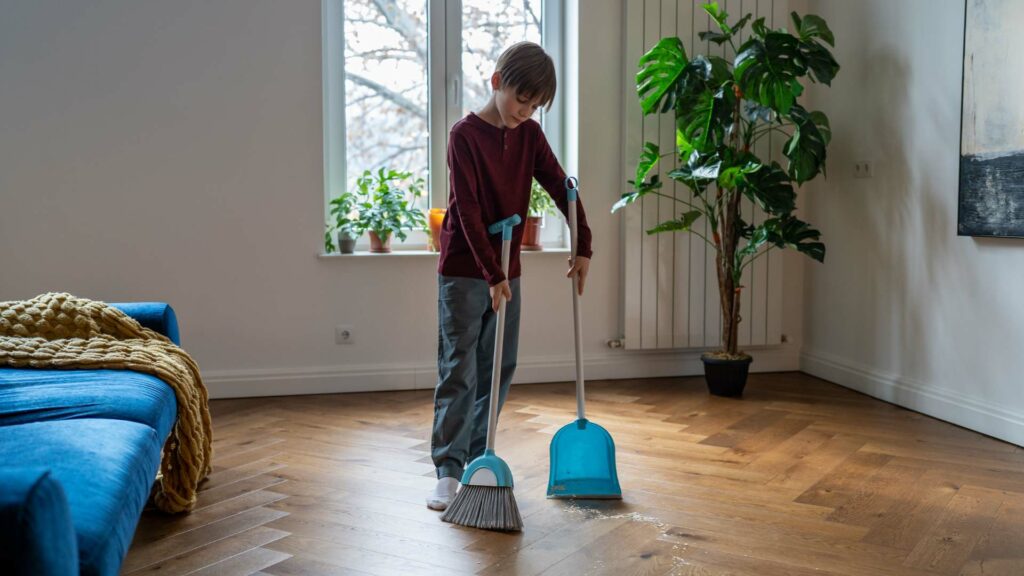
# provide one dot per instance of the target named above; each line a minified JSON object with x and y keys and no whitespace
{"x":465,"y":355}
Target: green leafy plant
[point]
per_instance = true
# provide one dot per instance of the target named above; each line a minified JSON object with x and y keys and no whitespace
{"x":385,"y":208}
{"x":344,"y":218}
{"x":721,"y":110}
{"x":380,"y":204}
{"x":541,"y":203}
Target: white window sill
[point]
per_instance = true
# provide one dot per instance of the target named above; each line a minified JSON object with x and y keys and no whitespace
{"x":422,"y":253}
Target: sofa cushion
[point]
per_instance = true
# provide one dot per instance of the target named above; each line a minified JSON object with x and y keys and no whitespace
{"x":33,"y":395}
{"x":106,"y":468}
{"x":37,"y":537}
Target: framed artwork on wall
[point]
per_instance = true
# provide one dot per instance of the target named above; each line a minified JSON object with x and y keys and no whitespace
{"x":991,"y":196}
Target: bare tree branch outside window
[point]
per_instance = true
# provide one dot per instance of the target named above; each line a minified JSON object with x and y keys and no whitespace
{"x":387,"y":103}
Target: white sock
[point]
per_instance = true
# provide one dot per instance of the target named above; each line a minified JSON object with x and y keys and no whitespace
{"x":443,"y":494}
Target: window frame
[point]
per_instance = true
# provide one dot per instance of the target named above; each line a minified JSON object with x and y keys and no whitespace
{"x":444,"y":77}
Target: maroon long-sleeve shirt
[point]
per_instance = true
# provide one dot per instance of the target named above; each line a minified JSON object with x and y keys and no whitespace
{"x":491,"y":172}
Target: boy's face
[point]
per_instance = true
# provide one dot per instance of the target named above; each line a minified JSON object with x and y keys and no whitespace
{"x":513,"y":108}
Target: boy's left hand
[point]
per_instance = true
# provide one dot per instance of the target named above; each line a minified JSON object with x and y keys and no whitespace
{"x":580,"y":269}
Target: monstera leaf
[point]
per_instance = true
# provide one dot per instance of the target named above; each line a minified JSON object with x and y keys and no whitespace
{"x":811,"y":26}
{"x":769,"y":188}
{"x":815,"y":57}
{"x":735,"y":167}
{"x":704,"y":125}
{"x":806,"y":147}
{"x":726,"y":32}
{"x":819,"y":61}
{"x":755,"y":239}
{"x":648,"y":160}
{"x":699,"y":171}
{"x":790,"y":232}
{"x":768,"y":69}
{"x":702,"y":109}
{"x":642,"y":189}
{"x":754,"y":112}
{"x":660,"y":69}
{"x":681,"y":224}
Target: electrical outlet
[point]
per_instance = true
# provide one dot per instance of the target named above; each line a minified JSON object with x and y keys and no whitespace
{"x":343,"y":334}
{"x":863,"y":169}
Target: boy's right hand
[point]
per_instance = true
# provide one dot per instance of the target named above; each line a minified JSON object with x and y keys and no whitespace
{"x":498,"y":291}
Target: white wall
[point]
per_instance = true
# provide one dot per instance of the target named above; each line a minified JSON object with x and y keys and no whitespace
{"x":172,"y":151}
{"x":903,"y":309}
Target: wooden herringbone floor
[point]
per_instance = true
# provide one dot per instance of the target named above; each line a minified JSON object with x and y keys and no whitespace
{"x":800,"y":477}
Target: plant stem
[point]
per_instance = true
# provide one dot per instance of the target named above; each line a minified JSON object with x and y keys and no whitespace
{"x":761,"y":133}
{"x":734,"y":50}
{"x":691,"y":230}
{"x":727,"y":267}
{"x":748,"y":133}
{"x":702,"y":237}
{"x":663,"y":195}
{"x":755,"y":257}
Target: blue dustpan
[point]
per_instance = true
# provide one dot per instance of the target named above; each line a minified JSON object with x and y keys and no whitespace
{"x":582,"y":453}
{"x":583,"y":463}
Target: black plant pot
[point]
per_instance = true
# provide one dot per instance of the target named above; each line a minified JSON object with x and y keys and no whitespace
{"x":726,"y":377}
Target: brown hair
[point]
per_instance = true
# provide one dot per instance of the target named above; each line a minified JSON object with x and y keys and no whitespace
{"x":527,"y":68}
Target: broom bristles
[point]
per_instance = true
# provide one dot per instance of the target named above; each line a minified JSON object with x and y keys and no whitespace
{"x":486,"y":507}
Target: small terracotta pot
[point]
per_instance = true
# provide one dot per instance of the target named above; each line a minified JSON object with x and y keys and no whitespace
{"x":378,"y":246}
{"x":531,"y":234}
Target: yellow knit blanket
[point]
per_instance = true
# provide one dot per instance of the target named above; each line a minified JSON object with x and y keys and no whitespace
{"x":57,"y":330}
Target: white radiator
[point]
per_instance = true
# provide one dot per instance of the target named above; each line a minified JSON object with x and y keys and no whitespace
{"x":670,"y":285}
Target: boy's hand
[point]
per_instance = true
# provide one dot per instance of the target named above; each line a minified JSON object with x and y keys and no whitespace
{"x":580,"y":269}
{"x":497,"y":291}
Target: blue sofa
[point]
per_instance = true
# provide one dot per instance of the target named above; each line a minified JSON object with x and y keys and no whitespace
{"x":79,"y":451}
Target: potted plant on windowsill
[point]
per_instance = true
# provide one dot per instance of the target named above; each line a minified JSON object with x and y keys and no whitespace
{"x":379,"y":205}
{"x":386,"y":209}
{"x":541,"y":205}
{"x":345,"y":224}
{"x":721,"y":110}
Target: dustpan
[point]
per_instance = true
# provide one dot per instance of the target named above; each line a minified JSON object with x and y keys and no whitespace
{"x":582,"y":453}
{"x":583,"y":463}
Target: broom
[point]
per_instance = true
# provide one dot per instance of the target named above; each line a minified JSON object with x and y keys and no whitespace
{"x":486,"y":499}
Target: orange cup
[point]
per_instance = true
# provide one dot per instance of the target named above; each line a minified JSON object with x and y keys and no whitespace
{"x":435,"y":218}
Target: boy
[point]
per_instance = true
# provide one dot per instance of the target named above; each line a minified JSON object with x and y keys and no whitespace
{"x":493,"y":155}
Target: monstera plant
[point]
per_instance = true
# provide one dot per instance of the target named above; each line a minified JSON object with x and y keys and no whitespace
{"x":721,"y":110}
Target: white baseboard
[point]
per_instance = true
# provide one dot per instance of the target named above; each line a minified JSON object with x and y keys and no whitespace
{"x":383,"y":377}
{"x":943,"y":404}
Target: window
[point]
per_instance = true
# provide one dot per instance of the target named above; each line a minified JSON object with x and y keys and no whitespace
{"x":399,"y":73}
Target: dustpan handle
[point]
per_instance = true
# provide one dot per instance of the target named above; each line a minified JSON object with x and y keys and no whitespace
{"x":505,"y":228}
{"x":572,"y":191}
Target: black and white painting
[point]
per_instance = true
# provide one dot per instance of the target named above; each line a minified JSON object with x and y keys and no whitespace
{"x":992,"y":120}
